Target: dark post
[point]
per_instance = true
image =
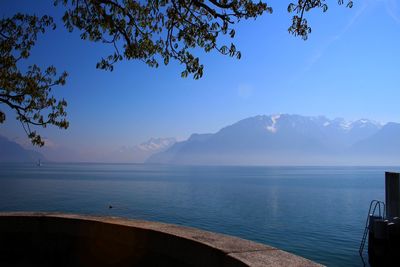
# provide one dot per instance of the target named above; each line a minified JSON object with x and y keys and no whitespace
{"x":392,"y":194}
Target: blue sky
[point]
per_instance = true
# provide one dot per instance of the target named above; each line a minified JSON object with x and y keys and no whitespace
{"x":349,"y":67}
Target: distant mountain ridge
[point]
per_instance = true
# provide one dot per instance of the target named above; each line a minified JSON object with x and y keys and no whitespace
{"x":157,"y":144}
{"x":11,"y":151}
{"x":139,"y":153}
{"x":289,"y":139}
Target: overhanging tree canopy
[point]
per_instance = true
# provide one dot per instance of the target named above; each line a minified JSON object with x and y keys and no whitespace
{"x":152,"y":31}
{"x":28,"y":92}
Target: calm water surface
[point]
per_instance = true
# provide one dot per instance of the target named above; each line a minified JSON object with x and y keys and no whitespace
{"x":315,"y":212}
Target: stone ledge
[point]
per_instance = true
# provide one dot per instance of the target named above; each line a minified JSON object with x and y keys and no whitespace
{"x":108,"y":241}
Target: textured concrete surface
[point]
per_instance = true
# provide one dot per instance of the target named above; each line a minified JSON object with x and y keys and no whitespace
{"x":46,"y":239}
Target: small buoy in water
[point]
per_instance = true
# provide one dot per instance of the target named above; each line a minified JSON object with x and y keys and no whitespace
{"x":110,"y":207}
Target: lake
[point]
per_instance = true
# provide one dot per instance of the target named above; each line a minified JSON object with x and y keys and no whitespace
{"x":315,"y":212}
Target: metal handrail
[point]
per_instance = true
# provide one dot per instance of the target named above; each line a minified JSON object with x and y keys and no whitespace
{"x":382,"y":213}
{"x":378,"y":204}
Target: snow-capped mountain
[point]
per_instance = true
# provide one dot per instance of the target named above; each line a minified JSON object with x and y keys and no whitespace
{"x":277,"y":139}
{"x":157,"y":144}
{"x":139,"y":153}
{"x":384,"y":142}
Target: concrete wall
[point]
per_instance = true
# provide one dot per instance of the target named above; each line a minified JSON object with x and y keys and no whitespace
{"x":49,"y":239}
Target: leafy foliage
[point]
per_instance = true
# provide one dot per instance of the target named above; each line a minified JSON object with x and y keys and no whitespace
{"x":299,"y":25}
{"x":152,"y":31}
{"x":29,"y":92}
{"x":158,"y":30}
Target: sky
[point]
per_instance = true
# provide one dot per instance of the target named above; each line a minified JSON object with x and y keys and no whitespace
{"x":348,"y":67}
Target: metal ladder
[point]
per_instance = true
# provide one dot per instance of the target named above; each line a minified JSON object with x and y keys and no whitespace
{"x":374,"y":206}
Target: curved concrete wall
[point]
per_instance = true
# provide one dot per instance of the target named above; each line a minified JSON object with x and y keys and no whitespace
{"x":52,"y":239}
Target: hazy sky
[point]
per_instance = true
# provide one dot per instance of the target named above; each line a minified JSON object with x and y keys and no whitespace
{"x":349,"y":67}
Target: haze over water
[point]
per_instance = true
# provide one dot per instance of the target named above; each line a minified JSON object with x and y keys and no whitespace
{"x":347,"y":68}
{"x":315,"y":212}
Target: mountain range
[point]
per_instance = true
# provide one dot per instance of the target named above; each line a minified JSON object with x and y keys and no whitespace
{"x":139,"y":153}
{"x":286,"y":139}
{"x":281,"y":139}
{"x":13,"y":152}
